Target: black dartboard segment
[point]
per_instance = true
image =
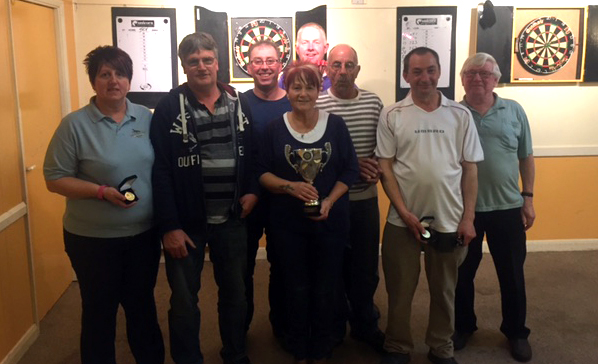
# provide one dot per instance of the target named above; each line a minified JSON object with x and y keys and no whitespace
{"x":256,"y":30}
{"x":545,"y":45}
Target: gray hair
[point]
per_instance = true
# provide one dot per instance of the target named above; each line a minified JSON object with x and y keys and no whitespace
{"x":195,"y":42}
{"x":479,"y":60}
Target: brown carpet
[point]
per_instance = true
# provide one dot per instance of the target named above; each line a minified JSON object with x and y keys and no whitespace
{"x":562,"y":314}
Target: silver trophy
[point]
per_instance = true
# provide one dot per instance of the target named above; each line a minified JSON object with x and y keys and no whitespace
{"x":308,"y":162}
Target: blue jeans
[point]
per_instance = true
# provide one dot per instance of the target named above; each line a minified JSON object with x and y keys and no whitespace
{"x":113,"y":271}
{"x":228,"y":253}
{"x":507,"y":243}
{"x":311,"y":264}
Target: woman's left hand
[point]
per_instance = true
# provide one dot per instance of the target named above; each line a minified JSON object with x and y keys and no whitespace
{"x":324,"y":210}
{"x":112,"y":195}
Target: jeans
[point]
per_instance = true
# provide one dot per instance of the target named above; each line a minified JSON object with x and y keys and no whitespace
{"x":113,"y":271}
{"x":257,"y":225}
{"x":506,"y":240}
{"x":228,"y":253}
{"x":311,"y":264}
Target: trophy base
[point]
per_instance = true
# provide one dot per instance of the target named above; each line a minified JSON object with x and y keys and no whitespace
{"x":312,"y":208}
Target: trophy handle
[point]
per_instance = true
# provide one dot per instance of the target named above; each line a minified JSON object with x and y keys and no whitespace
{"x":328,"y":153}
{"x":287,"y":155}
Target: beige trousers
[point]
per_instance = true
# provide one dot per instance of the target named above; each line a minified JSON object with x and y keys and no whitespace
{"x":401,"y":256}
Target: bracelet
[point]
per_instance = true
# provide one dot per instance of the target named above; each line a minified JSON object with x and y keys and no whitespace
{"x":100,"y":194}
{"x":527,"y":194}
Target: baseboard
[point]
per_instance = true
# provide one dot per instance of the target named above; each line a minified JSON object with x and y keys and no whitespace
{"x":22,"y":346}
{"x":532,"y":247}
{"x":562,"y":245}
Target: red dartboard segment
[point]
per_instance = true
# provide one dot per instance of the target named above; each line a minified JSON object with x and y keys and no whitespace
{"x":545,"y":45}
{"x":256,"y":30}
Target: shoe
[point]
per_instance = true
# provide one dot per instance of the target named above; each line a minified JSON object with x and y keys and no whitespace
{"x":375,"y":339}
{"x":438,"y":360}
{"x":395,"y":358}
{"x":520,"y":350}
{"x":460,"y":339}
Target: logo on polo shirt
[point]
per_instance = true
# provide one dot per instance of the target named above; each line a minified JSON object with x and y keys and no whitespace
{"x":137,"y":133}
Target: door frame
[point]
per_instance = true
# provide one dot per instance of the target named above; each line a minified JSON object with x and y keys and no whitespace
{"x":60,"y":34}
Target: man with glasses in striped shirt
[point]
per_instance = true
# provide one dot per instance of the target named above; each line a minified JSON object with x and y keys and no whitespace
{"x":361,"y":110}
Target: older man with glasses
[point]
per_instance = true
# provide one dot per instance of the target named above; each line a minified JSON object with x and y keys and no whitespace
{"x":203,"y":189}
{"x":360,"y":109}
{"x":267,"y":102}
{"x":502,"y":213}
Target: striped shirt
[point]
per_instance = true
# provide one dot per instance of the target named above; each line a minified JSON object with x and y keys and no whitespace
{"x":215,"y":137}
{"x":361,"y":115}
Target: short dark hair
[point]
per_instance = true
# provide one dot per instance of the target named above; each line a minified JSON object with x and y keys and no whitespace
{"x":420,"y":51}
{"x":303,"y":71}
{"x":110,"y":55}
{"x":195,"y":42}
{"x":264,"y":42}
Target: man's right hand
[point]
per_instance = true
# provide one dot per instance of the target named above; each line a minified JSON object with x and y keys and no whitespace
{"x":413,"y":224}
{"x":175,"y":243}
{"x":369,"y":170}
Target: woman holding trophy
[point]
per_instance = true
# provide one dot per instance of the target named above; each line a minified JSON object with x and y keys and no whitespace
{"x":100,"y":158}
{"x":308,"y":162}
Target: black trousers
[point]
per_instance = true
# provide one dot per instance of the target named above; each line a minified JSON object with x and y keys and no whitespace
{"x":113,"y":271}
{"x":507,"y":243}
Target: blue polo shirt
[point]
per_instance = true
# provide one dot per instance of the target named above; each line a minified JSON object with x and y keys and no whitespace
{"x":93,"y":147}
{"x":506,"y":138}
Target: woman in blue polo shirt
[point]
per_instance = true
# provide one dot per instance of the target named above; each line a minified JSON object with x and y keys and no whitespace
{"x":108,"y":235}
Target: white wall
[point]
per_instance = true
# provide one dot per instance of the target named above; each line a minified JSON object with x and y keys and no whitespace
{"x":562,"y":117}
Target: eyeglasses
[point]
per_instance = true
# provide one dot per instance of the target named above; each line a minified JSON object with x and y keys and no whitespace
{"x":484,"y":75}
{"x":207,"y":61}
{"x":258,"y":62}
{"x":349,"y":66}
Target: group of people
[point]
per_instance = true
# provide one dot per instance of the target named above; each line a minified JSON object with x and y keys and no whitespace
{"x":297,"y":157}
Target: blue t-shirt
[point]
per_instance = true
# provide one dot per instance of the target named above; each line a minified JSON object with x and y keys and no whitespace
{"x":91,"y":146}
{"x":264,"y":111}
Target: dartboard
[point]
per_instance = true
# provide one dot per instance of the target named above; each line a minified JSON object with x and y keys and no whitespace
{"x":260,"y":29}
{"x":545,"y":45}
